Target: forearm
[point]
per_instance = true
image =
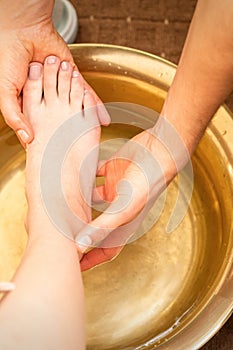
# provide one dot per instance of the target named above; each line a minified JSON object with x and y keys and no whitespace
{"x":46,"y":309}
{"x":204,"y":76}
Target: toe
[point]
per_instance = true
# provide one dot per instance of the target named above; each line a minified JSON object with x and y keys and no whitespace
{"x":64,"y":81}
{"x":77,"y":91}
{"x":89,"y":100}
{"x":33,"y":88}
{"x":51,"y":67}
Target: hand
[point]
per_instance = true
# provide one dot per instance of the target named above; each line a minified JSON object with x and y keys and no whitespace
{"x":134,"y":178}
{"x":27,"y":34}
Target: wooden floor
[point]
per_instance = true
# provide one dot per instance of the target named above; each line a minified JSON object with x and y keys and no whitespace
{"x":156,"y":26}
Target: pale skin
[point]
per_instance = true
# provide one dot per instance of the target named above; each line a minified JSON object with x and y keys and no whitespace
{"x":46,"y":309}
{"x":204,"y":79}
{"x":27,"y":34}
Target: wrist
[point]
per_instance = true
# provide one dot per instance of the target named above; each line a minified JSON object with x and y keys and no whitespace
{"x":184,"y":116}
{"x":168,"y":148}
{"x":154,"y":143}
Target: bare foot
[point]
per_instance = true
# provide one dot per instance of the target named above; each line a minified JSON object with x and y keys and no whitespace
{"x":53,"y":93}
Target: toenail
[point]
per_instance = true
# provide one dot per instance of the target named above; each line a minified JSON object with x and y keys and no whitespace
{"x":51,"y":59}
{"x":35,"y":72}
{"x":75,"y":74}
{"x":86,"y":91}
{"x":65,"y":65}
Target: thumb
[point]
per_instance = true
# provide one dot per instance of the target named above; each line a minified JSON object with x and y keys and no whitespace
{"x":97,"y":231}
{"x":118,"y":213}
{"x":109,"y":231}
{"x":6,"y":287}
{"x":13,"y":116}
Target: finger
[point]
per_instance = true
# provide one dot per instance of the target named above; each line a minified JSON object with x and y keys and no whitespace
{"x":90,"y":103}
{"x":104,"y":117}
{"x":13,"y":116}
{"x":103,"y":114}
{"x":115,"y":226}
{"x":6,"y":287}
{"x":99,"y":256}
{"x":101,"y":227}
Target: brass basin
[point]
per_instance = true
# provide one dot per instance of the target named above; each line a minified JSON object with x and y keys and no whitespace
{"x":163,"y":291}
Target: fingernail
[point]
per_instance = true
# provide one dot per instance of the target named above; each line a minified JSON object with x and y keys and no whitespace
{"x":35,"y":72}
{"x":84,"y":243}
{"x":65,"y":65}
{"x":6,"y":286}
{"x":75,"y":74}
{"x":23,"y":135}
{"x":51,"y":59}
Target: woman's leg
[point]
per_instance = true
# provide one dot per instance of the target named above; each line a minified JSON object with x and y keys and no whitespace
{"x":46,"y":309}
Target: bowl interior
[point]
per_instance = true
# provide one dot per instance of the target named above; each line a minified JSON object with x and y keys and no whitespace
{"x":155,"y":290}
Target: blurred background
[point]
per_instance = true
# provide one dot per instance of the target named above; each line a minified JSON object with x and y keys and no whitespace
{"x":155,"y":26}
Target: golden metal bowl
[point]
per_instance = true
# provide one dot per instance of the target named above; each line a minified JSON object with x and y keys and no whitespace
{"x":167,"y":291}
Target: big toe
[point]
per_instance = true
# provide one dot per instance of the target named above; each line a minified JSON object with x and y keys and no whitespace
{"x":33,"y":88}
